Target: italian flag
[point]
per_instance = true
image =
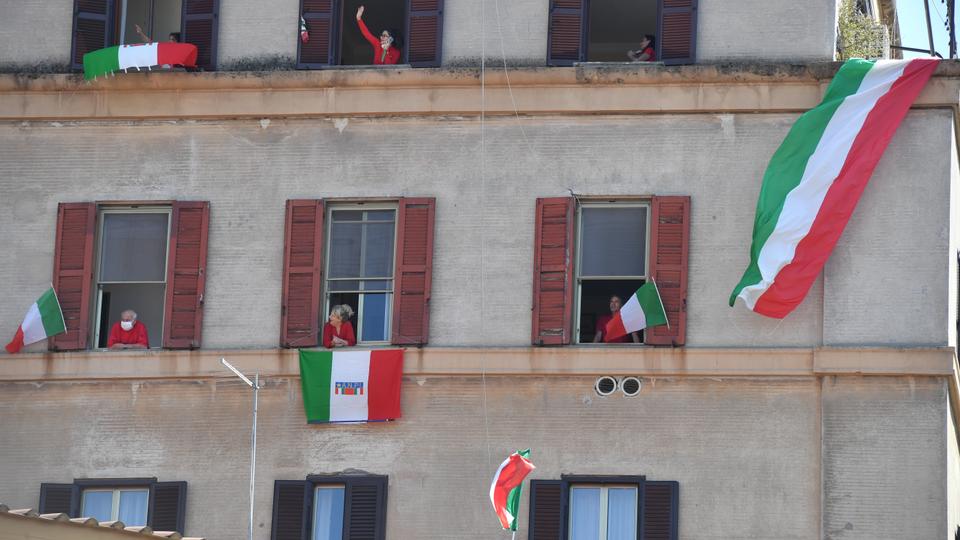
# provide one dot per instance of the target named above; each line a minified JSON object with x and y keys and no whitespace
{"x":351,"y":386}
{"x":642,"y":310}
{"x":505,"y":488}
{"x":815,"y":178}
{"x":106,"y":61}
{"x":44,"y":319}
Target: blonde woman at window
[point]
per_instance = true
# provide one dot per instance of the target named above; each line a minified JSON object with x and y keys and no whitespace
{"x":385,"y":50}
{"x":338,"y":332}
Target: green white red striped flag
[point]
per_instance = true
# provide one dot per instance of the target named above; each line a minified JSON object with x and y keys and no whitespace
{"x":44,"y":319}
{"x":140,"y":56}
{"x":816,"y":177}
{"x":642,"y":310}
{"x":505,"y":488}
{"x":351,"y":386}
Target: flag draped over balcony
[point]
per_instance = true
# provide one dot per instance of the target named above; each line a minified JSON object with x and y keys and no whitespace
{"x":141,"y":56}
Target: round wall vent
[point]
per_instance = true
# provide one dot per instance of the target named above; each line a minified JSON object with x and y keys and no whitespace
{"x":630,"y":386}
{"x":605,"y":385}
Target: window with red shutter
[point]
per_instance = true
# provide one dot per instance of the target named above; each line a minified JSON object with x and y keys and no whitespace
{"x":302,"y":273}
{"x":413,"y":271}
{"x":186,"y":275}
{"x":73,"y":272}
{"x":565,"y":42}
{"x":669,"y":249}
{"x":552,"y":271}
{"x":318,"y":51}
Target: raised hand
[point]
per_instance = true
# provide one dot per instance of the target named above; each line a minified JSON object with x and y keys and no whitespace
{"x":359,"y":13}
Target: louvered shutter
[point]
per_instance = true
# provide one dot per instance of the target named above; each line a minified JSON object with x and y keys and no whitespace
{"x":547,"y":509}
{"x":73,"y":272}
{"x":677,"y":31}
{"x":669,"y":247}
{"x":198,"y":25}
{"x":59,"y":499}
{"x":186,"y":275}
{"x":566,"y":42}
{"x":168,"y":506}
{"x":289,"y":510}
{"x":365,"y":509}
{"x":553,"y":271}
{"x":661,"y":502}
{"x":413,"y":271}
{"x":424,"y":32}
{"x":319,"y":51}
{"x":302,"y":273}
{"x":92,"y":28}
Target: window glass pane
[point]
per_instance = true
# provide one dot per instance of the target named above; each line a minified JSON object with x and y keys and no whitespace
{"x":584,"y":513}
{"x":134,"y":247}
{"x":622,"y":514}
{"x":345,"y":285}
{"x":378,"y":251}
{"x":380,"y":215}
{"x":613,"y":241}
{"x":133,"y":508}
{"x":328,"y":513}
{"x":97,"y":504}
{"x":375,"y":316}
{"x":348,"y":215}
{"x":345,"y":249}
{"x":377,"y":285}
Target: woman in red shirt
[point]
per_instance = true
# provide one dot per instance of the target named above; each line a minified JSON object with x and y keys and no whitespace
{"x":645,"y":53}
{"x":384,"y":50}
{"x":338,"y":332}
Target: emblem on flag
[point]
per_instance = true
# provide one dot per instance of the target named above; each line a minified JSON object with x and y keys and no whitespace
{"x":348,"y":388}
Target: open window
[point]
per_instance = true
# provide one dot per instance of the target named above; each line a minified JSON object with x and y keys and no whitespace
{"x":330,"y":507}
{"x":136,"y":502}
{"x":604,"y":30}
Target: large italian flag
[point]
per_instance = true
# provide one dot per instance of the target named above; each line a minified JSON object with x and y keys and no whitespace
{"x":351,"y":386}
{"x":815,"y":178}
{"x":146,"y":55}
{"x":44,"y":319}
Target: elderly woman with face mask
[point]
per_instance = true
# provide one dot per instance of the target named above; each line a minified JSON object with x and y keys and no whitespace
{"x":384,"y":50}
{"x":128,"y":333}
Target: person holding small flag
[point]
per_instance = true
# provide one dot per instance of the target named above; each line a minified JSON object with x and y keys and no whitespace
{"x":643,"y":310}
{"x":615,"y":304}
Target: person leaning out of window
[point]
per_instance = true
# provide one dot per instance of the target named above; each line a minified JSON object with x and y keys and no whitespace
{"x":338,"y":332}
{"x":128,"y":333}
{"x":385,"y":50}
{"x":615,"y":304}
{"x":645,"y":53}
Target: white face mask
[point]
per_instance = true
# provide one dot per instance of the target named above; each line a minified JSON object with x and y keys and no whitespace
{"x":126,"y":325}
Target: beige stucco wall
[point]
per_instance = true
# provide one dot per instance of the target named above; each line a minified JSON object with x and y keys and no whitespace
{"x":35,"y":34}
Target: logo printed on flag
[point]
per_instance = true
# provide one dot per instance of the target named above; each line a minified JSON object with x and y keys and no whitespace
{"x":348,"y":388}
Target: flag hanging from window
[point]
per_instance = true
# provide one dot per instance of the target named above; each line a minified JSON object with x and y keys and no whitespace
{"x":642,"y":310}
{"x":814,"y":180}
{"x":505,"y":488}
{"x":351,"y":386}
{"x":44,"y":319}
{"x":140,"y":56}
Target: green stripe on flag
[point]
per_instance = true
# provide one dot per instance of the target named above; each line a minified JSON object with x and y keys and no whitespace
{"x":315,"y":373}
{"x":648,"y":296}
{"x":50,"y":314}
{"x":101,"y":62}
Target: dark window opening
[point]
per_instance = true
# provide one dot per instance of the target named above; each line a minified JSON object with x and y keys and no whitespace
{"x":378,"y":15}
{"x":595,"y":303}
{"x":616,"y":26}
{"x":157,"y":19}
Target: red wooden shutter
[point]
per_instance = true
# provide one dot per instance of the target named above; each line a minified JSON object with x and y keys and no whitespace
{"x":413,"y":271}
{"x":661,"y":501}
{"x":302,"y":273}
{"x":198,"y":25}
{"x":547,"y":504}
{"x":677,"y":31}
{"x":565,"y":41}
{"x":669,"y":244}
{"x":319,"y":51}
{"x":424,"y":32}
{"x":168,"y":505}
{"x":73,"y":272}
{"x":186,"y":275}
{"x":92,"y":28}
{"x":553,"y":271}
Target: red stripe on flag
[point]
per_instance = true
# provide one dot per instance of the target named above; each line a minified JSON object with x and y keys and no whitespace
{"x":614,"y":329}
{"x":17,"y":343}
{"x":177,"y":54}
{"x":793,"y":281}
{"x":383,"y":397}
{"x":511,"y":475}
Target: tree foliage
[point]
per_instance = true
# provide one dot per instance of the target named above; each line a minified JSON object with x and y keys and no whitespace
{"x":859,"y":35}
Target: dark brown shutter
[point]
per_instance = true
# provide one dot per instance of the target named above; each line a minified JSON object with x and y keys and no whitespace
{"x":73,"y":272}
{"x":553,"y":271}
{"x":677,"y":31}
{"x":59,"y":499}
{"x":661,"y":503}
{"x":424,"y":32}
{"x":92,"y":28}
{"x":319,"y":51}
{"x":302,"y":273}
{"x":289,"y":510}
{"x":186,"y":275}
{"x":365,"y":509}
{"x":566,"y":36}
{"x":198,"y":25}
{"x":168,"y":506}
{"x":669,"y":246}
{"x":413,"y":271}
{"x":547,"y":509}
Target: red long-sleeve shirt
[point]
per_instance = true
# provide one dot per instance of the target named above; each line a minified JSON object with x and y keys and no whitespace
{"x":390,"y":56}
{"x":136,"y":335}
{"x":345,"y":333}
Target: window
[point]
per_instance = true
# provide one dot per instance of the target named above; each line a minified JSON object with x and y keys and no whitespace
{"x":604,"y":508}
{"x":126,"y":505}
{"x":134,"y":501}
{"x":375,"y":256}
{"x":335,"y":38}
{"x":156,"y":18}
{"x":588,"y":249}
{"x":330,"y":507}
{"x":604,"y":30}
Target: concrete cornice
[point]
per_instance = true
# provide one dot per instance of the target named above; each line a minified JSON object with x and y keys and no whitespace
{"x":494,"y":361}
{"x":585,"y":89}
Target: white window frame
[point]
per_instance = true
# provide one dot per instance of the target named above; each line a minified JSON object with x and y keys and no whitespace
{"x":97,"y":283}
{"x":328,"y":245}
{"x":578,"y":241}
{"x":604,"y":504}
{"x":316,"y":501}
{"x":115,"y":502}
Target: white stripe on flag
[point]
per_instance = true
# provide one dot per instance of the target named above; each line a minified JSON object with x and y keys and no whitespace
{"x":802,"y":204}
{"x":633,"y":316}
{"x":137,"y":56}
{"x":33,"y":330}
{"x":349,"y":367}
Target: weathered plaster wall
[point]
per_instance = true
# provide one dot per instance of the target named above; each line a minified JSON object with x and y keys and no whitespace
{"x":35,"y":34}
